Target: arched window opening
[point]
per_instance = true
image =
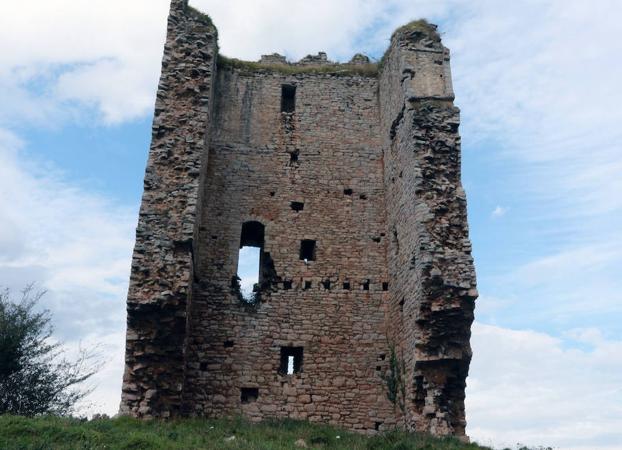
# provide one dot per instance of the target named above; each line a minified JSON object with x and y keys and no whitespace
{"x":250,"y":259}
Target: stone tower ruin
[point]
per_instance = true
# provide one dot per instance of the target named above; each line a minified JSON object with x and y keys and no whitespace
{"x":347,"y":179}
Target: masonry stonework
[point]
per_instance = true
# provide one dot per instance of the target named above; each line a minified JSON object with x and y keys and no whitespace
{"x":358,"y":162}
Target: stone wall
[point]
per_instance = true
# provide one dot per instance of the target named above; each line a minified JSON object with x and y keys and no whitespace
{"x":364,"y":164}
{"x":163,"y":264}
{"x":429,"y":254}
{"x":338,"y":178}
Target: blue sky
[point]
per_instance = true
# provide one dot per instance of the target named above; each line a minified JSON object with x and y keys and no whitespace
{"x":538,"y":86}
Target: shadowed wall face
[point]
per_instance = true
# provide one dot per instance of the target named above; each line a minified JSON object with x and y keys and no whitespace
{"x":345,"y":178}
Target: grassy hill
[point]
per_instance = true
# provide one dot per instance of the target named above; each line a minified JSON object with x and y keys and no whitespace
{"x":125,"y":433}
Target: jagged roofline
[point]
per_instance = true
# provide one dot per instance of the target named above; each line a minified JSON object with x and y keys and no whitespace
{"x":359,"y":64}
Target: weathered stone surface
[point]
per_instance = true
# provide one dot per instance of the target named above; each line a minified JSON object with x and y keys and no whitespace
{"x":378,"y":319}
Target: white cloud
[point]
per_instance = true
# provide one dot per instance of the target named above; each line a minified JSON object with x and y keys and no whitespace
{"x":537,"y":83}
{"x":532,"y":388}
{"x":499,"y":211}
{"x":72,"y":243}
{"x":63,"y":54}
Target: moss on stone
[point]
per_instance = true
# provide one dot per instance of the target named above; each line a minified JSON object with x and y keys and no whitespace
{"x":249,"y":67}
{"x":419,"y":26}
{"x":200,"y":16}
{"x":416,"y":26}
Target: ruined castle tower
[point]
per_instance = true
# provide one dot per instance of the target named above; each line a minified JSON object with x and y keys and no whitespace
{"x":347,"y":178}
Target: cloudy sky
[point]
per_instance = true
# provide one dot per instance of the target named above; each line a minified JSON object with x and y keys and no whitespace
{"x":538,"y":86}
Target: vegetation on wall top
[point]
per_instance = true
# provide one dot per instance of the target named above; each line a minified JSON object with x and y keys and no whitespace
{"x":249,"y":67}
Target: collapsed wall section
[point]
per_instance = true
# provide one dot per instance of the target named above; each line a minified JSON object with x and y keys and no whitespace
{"x":163,"y":262}
{"x":429,"y":254}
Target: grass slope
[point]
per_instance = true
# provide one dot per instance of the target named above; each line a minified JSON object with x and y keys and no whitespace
{"x":125,"y":433}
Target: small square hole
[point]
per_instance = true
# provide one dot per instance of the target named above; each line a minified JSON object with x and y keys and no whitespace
{"x":326,"y":284}
{"x":203,"y":366}
{"x":307,"y":285}
{"x":346,"y":285}
{"x":249,"y":395}
{"x":228,"y":344}
{"x":385,"y":286}
{"x":297,"y":206}
{"x":287,"y":284}
{"x":307,"y":250}
{"x":366,"y":285}
{"x":291,"y":360}
{"x":347,"y":191}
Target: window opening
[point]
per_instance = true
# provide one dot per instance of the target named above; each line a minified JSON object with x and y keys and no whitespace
{"x":366,"y":285}
{"x":291,"y":360}
{"x":250,"y":258}
{"x":288,"y":98}
{"x":307,"y":285}
{"x":385,"y":286}
{"x":307,"y":250}
{"x":347,"y":191}
{"x":287,"y":284}
{"x":326,"y":284}
{"x":297,"y":206}
{"x":346,"y":285}
{"x":249,"y":395}
{"x":228,"y":344}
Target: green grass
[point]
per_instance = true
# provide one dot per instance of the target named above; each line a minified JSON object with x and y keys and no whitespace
{"x":125,"y":433}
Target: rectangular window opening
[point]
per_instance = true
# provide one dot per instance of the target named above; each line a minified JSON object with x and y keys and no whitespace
{"x":291,"y":360}
{"x":326,"y":284}
{"x":385,"y":286}
{"x":297,"y":206}
{"x":288,"y":98}
{"x":287,"y":284}
{"x":249,"y":395}
{"x":366,"y":285}
{"x":228,"y":344}
{"x":346,"y":285}
{"x":307,"y":285}
{"x":307,"y":250}
{"x":248,"y":270}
